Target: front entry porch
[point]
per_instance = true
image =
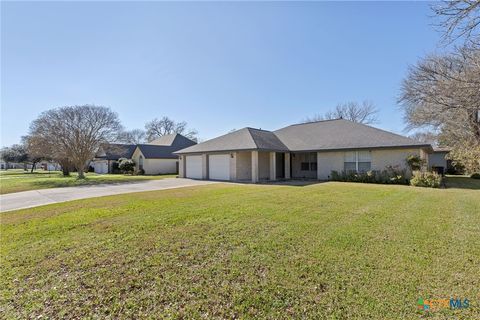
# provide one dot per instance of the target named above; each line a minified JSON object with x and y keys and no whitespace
{"x":258,"y":166}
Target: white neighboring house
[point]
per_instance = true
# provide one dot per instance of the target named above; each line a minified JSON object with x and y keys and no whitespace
{"x":157,"y":156}
{"x":107,"y":156}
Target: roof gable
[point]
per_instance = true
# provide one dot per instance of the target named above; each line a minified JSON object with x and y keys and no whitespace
{"x":243,"y":139}
{"x":164,"y":146}
{"x":174,"y":139}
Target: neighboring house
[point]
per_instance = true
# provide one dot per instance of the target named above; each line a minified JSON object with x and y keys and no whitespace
{"x":106,"y":158}
{"x":157,"y":157}
{"x":437,"y":160}
{"x":47,"y":166}
{"x":14,"y":165}
{"x":310,"y":150}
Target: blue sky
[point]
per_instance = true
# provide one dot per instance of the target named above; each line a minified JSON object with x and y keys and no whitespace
{"x":217,"y":66}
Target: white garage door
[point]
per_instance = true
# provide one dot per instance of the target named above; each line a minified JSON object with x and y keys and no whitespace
{"x":219,"y":167}
{"x":101,"y":167}
{"x":193,"y":167}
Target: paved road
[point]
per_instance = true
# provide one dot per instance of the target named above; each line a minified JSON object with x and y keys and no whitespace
{"x":35,"y":198}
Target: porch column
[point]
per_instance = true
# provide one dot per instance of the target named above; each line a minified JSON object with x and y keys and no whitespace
{"x":255,"y":166}
{"x":181,"y":166}
{"x":287,"y":165}
{"x":273,"y":166}
{"x":205,"y":175}
{"x":233,"y":166}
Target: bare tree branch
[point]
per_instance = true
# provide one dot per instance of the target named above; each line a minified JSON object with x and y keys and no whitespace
{"x":160,"y":127}
{"x":459,"y":19}
{"x":364,"y":112}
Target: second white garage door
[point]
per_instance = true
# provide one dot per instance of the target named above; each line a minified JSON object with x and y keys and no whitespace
{"x":193,"y":167}
{"x":219,"y":167}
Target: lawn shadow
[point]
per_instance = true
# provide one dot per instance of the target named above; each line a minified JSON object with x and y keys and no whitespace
{"x":289,"y":183}
{"x":46,"y":184}
{"x":461,"y":182}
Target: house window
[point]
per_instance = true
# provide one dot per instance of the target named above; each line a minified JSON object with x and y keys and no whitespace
{"x":313,"y":166}
{"x":350,"y":162}
{"x":305,"y":166}
{"x":357,"y":161}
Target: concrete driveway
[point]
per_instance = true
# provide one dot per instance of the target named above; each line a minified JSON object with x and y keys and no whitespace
{"x":35,"y":198}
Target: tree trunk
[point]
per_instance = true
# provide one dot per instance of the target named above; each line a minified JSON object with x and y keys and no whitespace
{"x":33,"y":166}
{"x":80,"y":170}
{"x":65,"y":171}
{"x":81,"y":174}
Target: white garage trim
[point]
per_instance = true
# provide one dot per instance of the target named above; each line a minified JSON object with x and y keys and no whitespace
{"x":193,"y":167}
{"x":219,"y":166}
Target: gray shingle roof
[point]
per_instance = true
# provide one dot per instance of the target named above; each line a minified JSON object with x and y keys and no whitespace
{"x":151,"y":151}
{"x":340,"y":134}
{"x":164,"y":146}
{"x":321,"y":135}
{"x":173,"y":139}
{"x":115,"y":151}
{"x":243,"y":139}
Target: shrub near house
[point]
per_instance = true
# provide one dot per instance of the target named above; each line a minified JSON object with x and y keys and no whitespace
{"x":391,"y":175}
{"x":426,"y":179}
{"x":126,"y":165}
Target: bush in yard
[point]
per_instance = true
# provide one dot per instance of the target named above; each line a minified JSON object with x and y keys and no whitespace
{"x":426,"y":179}
{"x":391,"y":175}
{"x":126,"y":165}
{"x":475,"y":175}
{"x":140,"y":172}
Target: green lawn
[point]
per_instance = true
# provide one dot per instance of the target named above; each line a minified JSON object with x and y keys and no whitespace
{"x":328,"y":250}
{"x":20,"y":180}
{"x":462,"y":182}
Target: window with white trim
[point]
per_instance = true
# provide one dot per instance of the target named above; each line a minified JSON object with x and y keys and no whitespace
{"x":357,"y":161}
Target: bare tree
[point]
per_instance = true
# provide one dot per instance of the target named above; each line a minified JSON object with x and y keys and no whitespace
{"x":134,"y":136}
{"x":364,"y":112}
{"x":459,"y":19}
{"x":442,"y":93}
{"x":75,"y":132}
{"x":426,"y":137}
{"x":41,"y":146}
{"x":160,"y":127}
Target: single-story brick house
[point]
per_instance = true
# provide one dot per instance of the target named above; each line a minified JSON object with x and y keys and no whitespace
{"x":155,"y":157}
{"x":308,"y":150}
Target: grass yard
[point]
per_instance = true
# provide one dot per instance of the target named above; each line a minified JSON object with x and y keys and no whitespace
{"x":329,"y":250}
{"x":462,"y":182}
{"x":20,"y":180}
